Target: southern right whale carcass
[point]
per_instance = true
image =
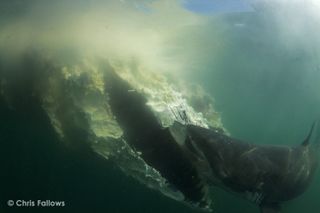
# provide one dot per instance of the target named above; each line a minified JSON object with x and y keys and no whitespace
{"x":264,"y":174}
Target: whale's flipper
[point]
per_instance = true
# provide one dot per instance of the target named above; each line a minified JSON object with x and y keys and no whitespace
{"x":270,"y":208}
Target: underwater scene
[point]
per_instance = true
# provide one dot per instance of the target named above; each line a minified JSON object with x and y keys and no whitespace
{"x":156,"y":106}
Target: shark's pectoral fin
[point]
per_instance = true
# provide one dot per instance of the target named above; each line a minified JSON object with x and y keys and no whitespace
{"x":270,"y":208}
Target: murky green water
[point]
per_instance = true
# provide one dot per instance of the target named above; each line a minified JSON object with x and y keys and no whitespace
{"x":260,"y":65}
{"x":266,"y":88}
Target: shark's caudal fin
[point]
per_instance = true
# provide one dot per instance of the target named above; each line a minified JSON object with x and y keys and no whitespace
{"x":314,"y":135}
{"x":307,"y":140}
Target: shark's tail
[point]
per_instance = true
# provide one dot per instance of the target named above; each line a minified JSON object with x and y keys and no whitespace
{"x":313,"y":137}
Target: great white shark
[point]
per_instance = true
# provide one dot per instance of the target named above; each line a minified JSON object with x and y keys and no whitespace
{"x":193,"y":158}
{"x":267,"y":175}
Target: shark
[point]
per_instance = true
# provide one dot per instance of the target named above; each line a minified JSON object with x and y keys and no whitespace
{"x":193,"y":159}
{"x":266,"y":175}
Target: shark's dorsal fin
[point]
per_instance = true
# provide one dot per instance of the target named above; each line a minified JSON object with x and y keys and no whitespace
{"x":307,"y":140}
{"x":178,"y":131}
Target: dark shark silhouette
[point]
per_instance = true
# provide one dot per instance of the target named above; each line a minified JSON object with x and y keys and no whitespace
{"x":191,"y":157}
{"x":264,"y":174}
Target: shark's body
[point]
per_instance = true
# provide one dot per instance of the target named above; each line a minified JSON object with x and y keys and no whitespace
{"x":266,"y":175}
